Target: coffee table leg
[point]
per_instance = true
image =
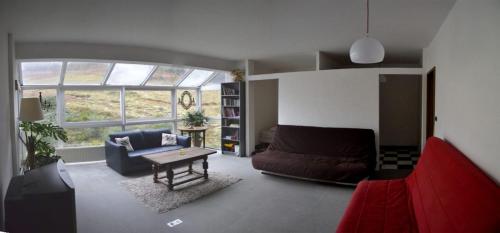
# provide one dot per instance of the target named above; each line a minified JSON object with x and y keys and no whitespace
{"x":205,"y":167}
{"x":190,"y":167}
{"x":170,"y":177}
{"x":155,"y":173}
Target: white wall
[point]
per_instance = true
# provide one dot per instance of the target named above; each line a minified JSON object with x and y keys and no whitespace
{"x":264,"y":108}
{"x":332,"y":98}
{"x":466,"y":53}
{"x":5,"y":145}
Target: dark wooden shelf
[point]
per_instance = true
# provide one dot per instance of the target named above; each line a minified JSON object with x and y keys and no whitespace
{"x":233,"y":103}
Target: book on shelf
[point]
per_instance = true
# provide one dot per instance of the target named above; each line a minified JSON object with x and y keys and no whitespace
{"x":229,"y":91}
{"x":231,"y":102}
{"x":231,"y":112}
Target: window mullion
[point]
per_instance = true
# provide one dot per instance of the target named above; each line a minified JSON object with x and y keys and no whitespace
{"x":199,"y":99}
{"x":122,"y":108}
{"x":212,"y":76}
{"x":149,"y":75}
{"x":63,"y":73}
{"x":184,"y":77}
{"x":108,"y":73}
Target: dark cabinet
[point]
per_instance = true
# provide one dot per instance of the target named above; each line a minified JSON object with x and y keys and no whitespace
{"x":42,"y":200}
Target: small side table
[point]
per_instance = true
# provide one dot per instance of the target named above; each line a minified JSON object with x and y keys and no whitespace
{"x":194,"y":131}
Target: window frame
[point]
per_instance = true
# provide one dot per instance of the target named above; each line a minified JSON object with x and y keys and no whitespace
{"x":60,"y":88}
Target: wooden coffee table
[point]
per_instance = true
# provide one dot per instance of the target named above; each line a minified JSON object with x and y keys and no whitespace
{"x":174,"y":159}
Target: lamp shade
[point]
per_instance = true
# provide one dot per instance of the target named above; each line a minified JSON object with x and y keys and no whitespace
{"x":367,"y":50}
{"x":31,"y":110}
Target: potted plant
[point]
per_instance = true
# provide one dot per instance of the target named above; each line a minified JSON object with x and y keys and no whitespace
{"x":37,"y":139}
{"x":238,"y":75}
{"x":195,"y":119}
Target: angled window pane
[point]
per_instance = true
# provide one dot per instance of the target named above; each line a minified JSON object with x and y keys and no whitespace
{"x":148,"y":104}
{"x":90,"y":105}
{"x":214,"y":84}
{"x":41,"y":73}
{"x":85,"y":73}
{"x":196,"y":78}
{"x":167,"y":76}
{"x":129,"y":74}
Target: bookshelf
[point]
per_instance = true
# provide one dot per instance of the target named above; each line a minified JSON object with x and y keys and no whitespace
{"x":233,"y":118}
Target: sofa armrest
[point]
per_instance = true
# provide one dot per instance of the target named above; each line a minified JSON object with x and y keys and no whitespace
{"x":114,"y":150}
{"x":184,"y":141}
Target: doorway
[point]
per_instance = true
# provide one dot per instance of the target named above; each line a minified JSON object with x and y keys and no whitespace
{"x":262,"y":113}
{"x":400,"y":120}
{"x":431,"y":92}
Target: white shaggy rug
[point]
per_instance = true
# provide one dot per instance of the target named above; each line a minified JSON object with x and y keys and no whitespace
{"x":157,"y":196}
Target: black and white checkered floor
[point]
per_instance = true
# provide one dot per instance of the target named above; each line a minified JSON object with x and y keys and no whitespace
{"x":398,"y":157}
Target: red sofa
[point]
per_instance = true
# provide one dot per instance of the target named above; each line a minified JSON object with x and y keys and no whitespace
{"x":445,"y":193}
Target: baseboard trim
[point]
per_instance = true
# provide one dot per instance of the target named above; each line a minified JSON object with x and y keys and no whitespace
{"x":310,"y":179}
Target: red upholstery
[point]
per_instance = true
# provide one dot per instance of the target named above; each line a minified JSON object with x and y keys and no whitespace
{"x":445,"y":193}
{"x":379,"y":206}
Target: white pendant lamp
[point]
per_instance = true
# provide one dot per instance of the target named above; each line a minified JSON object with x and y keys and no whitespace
{"x":367,"y":50}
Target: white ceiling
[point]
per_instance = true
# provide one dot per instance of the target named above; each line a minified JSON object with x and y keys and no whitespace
{"x":232,"y":29}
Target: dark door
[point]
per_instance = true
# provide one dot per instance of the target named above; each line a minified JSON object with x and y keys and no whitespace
{"x":431,"y":91}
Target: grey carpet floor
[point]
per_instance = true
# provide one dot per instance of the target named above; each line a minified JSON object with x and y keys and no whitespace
{"x":258,"y":203}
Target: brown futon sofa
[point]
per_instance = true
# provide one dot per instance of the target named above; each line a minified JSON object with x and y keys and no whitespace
{"x":338,"y":155}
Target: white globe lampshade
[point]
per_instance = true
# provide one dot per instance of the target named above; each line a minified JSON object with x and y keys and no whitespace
{"x":367,"y":50}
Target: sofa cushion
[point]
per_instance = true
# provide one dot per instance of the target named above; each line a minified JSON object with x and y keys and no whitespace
{"x":333,"y":142}
{"x":168,"y":139}
{"x":148,"y":151}
{"x":136,"y":138}
{"x":318,"y":167}
{"x":152,"y":138}
{"x":379,"y":206}
{"x":450,"y":194}
{"x":125,"y":141}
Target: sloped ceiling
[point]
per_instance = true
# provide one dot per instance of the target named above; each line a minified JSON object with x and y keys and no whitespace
{"x":232,"y":29}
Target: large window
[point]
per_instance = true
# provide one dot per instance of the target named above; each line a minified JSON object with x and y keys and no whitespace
{"x":148,"y":104}
{"x":93,"y":98}
{"x":78,"y":137}
{"x":92,"y":105}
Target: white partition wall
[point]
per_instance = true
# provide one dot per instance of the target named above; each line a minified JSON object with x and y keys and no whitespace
{"x":330,"y":98}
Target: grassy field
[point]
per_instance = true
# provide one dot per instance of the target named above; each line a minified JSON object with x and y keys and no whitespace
{"x":84,"y":105}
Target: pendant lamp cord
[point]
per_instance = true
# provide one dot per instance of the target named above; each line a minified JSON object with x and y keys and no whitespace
{"x":367,"y":17}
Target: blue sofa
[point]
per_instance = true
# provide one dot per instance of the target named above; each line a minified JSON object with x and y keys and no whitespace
{"x":144,"y":142}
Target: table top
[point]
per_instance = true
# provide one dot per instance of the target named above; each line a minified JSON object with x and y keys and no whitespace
{"x":200,"y":128}
{"x":175,"y":155}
